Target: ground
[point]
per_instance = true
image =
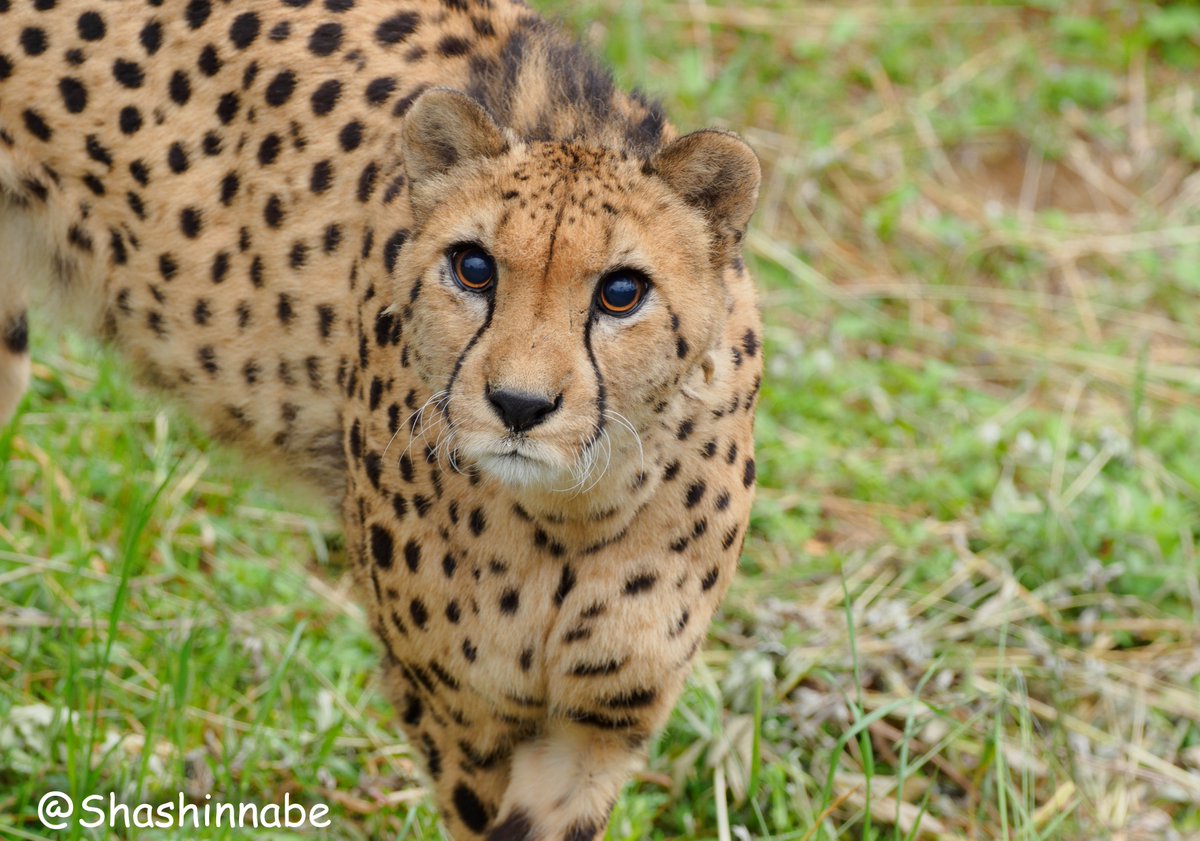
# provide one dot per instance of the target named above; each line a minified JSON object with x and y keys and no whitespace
{"x":970,"y":601}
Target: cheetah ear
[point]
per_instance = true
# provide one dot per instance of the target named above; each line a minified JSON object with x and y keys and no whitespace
{"x":718,"y":173}
{"x":443,"y":128}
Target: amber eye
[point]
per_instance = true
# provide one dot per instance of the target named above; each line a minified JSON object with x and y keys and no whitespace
{"x":474,"y":268}
{"x":621,"y":292}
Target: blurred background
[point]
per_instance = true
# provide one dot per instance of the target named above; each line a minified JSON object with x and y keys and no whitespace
{"x":969,"y":606}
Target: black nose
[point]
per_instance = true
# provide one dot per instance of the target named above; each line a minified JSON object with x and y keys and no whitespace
{"x":520,"y":410}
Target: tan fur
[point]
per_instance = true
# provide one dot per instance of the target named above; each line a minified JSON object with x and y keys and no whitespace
{"x":539,"y":596}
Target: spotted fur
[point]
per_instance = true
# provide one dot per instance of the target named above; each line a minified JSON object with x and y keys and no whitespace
{"x":256,"y":201}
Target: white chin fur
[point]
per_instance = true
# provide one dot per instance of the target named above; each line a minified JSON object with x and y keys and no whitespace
{"x":520,"y":472}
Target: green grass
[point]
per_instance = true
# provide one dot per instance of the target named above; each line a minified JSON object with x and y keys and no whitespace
{"x":970,"y":600}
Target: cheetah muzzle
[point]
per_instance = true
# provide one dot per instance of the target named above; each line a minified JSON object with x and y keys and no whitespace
{"x":426,"y":255}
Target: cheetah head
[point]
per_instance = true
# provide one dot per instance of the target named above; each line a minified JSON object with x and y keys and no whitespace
{"x":559,"y":294}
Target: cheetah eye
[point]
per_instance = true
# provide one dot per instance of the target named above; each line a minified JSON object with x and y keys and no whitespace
{"x":621,"y":292}
{"x":474,"y":268}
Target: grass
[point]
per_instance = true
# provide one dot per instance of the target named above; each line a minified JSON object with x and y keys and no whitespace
{"x":970,"y":599}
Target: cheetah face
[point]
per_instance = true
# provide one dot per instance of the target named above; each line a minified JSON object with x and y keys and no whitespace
{"x":560,"y":294}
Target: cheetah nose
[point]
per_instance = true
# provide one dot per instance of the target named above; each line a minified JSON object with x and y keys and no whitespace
{"x":520,"y":410}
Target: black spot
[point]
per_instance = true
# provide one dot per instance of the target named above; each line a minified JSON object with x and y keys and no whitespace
{"x":151,"y":37}
{"x":729,"y":537}
{"x":280,"y":31}
{"x":179,"y":88}
{"x":695,"y":493}
{"x":256,"y":271}
{"x":332,"y":239}
{"x":350,"y":137}
{"x":433,"y":756}
{"x":412,"y":555}
{"x":98,"y":152}
{"x":419,"y":613}
{"x":600,"y":669}
{"x":273,"y":212}
{"x":443,"y":676}
{"x":281,"y":87}
{"x":338,"y":6}
{"x":449,"y":565}
{"x":177,"y":159}
{"x":139,"y":172}
{"x":483,"y":27}
{"x":397,"y":29}
{"x":710,"y":578}
{"x":190,"y":222}
{"x":671,"y":471}
{"x":421,"y":504}
{"x":244,"y":29}
{"x":453,"y":45}
{"x":566,"y":583}
{"x":16,"y":334}
{"x":326,"y":96}
{"x":322,"y":176}
{"x":90,"y":26}
{"x":36,"y":125}
{"x":284,"y":310}
{"x":384,"y":323}
{"x":412,"y":710}
{"x":516,"y":827}
{"x":478,"y":522}
{"x":391,"y":249}
{"x":116,"y":247}
{"x":94,"y":184}
{"x":209,"y":62}
{"x":380,"y":89}
{"x":167,"y":266}
{"x":130,"y":120}
{"x":250,"y":372}
{"x":325,"y":39}
{"x":453,"y":612}
{"x":685,"y":429}
{"x":510,"y":600}
{"x":577,"y":634}
{"x":33,"y":40}
{"x":198,"y":12}
{"x":208,"y":360}
{"x":227,"y":107}
{"x":749,"y":473}
{"x":405,"y":102}
{"x":128,"y":73}
{"x":298,"y":256}
{"x":582,"y":831}
{"x":750,"y":343}
{"x":135,"y":204}
{"x":681,"y":347}
{"x":74,"y":94}
{"x":229,"y":188}
{"x":640,"y":584}
{"x":470,"y":809}
{"x":268,"y":150}
{"x":526,"y":660}
{"x":366,"y":183}
{"x":393,"y":189}
{"x":632,"y":699}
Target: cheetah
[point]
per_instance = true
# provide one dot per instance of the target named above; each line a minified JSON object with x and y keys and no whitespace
{"x":425,"y":256}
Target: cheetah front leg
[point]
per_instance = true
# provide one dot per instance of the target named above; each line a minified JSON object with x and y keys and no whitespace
{"x":564,"y":784}
{"x":14,"y":323}
{"x":618,"y":661}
